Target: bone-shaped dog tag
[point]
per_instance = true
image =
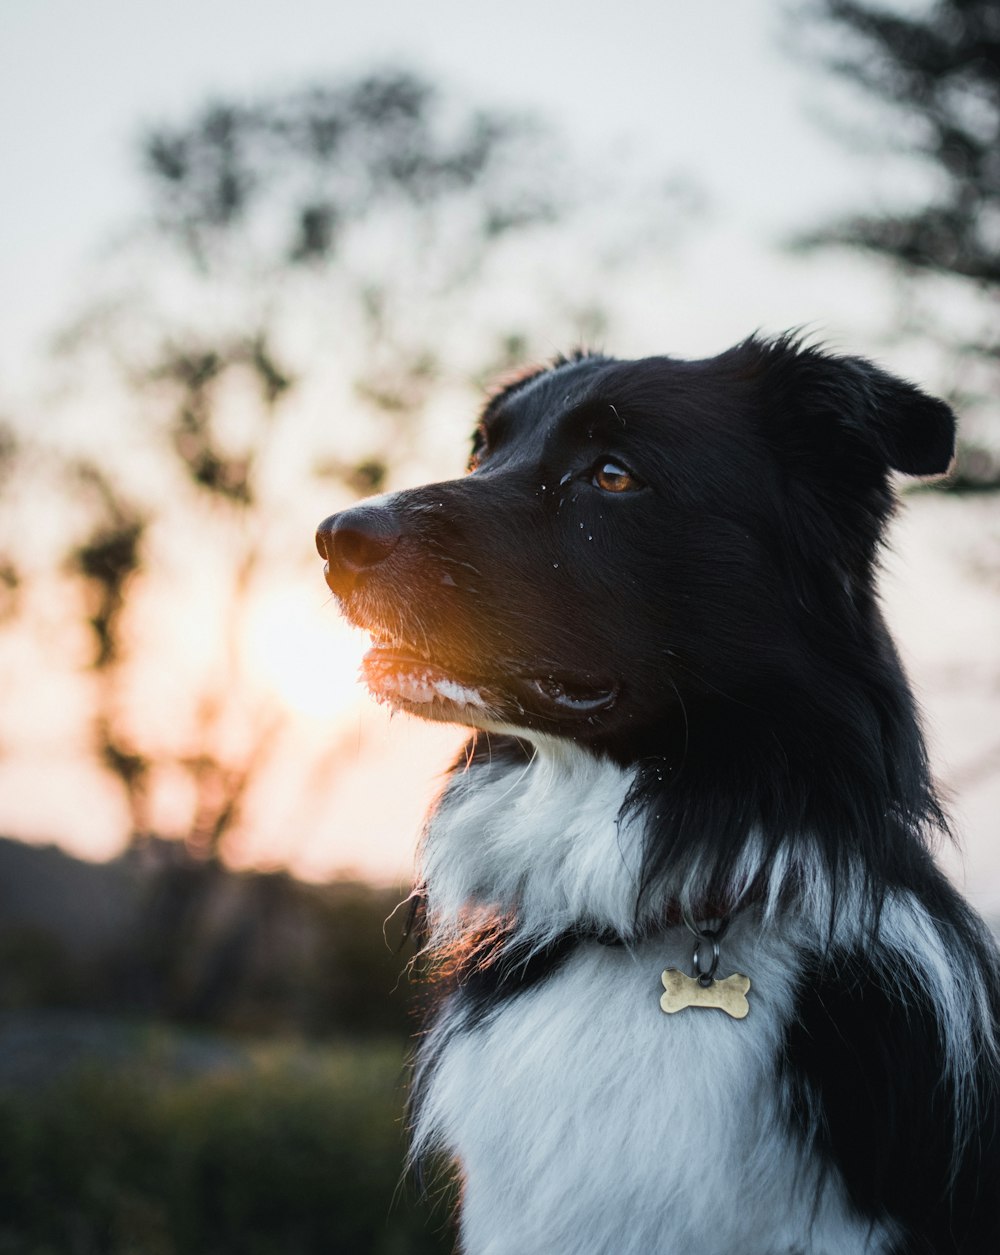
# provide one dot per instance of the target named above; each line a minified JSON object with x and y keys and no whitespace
{"x":729,"y":995}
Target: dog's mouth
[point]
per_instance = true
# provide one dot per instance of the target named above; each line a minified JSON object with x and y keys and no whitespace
{"x":401,"y":676}
{"x":413,"y":680}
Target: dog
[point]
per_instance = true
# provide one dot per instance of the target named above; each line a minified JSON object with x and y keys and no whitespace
{"x":703,"y":990}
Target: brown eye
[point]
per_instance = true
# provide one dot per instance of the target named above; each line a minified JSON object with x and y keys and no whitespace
{"x":614,"y":478}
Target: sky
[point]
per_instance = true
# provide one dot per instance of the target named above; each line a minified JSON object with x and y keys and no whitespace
{"x":704,"y":90}
{"x":717,"y":94}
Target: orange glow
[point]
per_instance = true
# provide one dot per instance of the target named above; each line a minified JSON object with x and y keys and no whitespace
{"x":302,"y":651}
{"x":474,"y":945}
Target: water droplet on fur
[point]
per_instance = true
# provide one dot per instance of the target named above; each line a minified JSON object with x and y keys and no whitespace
{"x":555,"y":566}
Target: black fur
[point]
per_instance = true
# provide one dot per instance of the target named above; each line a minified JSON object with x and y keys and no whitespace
{"x":865,"y":1061}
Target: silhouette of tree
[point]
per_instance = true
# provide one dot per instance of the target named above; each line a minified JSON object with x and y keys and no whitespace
{"x":935,"y":68}
{"x":318,"y":160}
{"x":313,"y":269}
{"x":10,"y":572}
{"x":105,"y":560}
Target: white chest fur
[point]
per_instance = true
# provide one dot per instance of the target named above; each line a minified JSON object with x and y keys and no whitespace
{"x":585,"y":1121}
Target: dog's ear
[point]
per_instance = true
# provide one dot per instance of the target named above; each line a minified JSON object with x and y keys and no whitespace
{"x":914,"y":433}
{"x":875,"y":414}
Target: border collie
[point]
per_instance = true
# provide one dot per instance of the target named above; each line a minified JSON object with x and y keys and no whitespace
{"x":696,"y":785}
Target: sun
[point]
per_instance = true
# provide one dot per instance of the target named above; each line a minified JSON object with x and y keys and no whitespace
{"x":302,"y":651}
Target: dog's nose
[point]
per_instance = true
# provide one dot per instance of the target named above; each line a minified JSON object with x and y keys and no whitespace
{"x":355,"y":540}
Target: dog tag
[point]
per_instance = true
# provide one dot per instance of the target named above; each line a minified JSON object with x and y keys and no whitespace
{"x":729,"y":995}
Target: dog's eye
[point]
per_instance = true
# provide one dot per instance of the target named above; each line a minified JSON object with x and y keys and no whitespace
{"x":611,"y":477}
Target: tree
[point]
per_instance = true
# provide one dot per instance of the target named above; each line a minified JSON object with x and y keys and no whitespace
{"x":936,"y":69}
{"x":933,"y":71}
{"x":313,"y":271}
{"x":364,"y":209}
{"x":10,"y":574}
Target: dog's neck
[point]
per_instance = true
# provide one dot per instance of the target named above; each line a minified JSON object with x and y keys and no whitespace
{"x":541,"y":841}
{"x":550,"y":846}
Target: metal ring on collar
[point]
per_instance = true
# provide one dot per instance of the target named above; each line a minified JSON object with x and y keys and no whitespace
{"x":712,"y":936}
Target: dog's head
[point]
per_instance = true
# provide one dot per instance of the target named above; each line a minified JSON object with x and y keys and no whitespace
{"x":640,"y":548}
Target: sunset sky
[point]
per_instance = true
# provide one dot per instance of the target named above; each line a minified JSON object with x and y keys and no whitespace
{"x":715,"y":96}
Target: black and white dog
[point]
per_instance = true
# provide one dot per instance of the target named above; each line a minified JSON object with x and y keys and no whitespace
{"x":696,"y":758}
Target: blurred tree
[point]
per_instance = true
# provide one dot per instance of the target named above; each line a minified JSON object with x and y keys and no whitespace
{"x":936,"y":66}
{"x":934,"y":69}
{"x":10,"y":573}
{"x":325,"y":156}
{"x":313,"y":269}
{"x":105,"y":559}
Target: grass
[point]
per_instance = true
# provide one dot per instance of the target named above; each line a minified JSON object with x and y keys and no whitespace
{"x":271,"y":1150}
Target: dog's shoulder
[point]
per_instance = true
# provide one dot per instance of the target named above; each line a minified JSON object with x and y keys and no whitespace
{"x":891,"y":1060}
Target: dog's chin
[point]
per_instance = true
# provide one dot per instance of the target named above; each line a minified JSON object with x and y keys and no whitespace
{"x":444,"y":693}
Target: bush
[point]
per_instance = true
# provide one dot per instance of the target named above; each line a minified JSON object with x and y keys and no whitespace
{"x":293,"y":1152}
